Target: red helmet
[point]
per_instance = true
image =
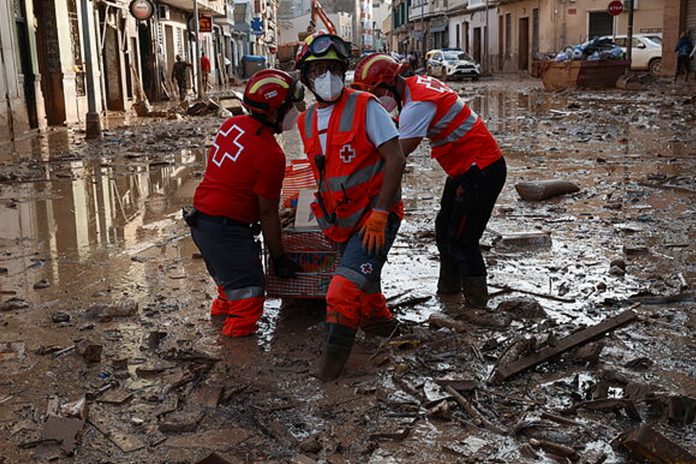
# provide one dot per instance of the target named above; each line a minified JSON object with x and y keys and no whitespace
{"x":270,"y":90}
{"x":375,"y":69}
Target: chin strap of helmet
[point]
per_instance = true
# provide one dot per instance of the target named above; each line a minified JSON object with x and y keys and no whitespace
{"x":397,"y":96}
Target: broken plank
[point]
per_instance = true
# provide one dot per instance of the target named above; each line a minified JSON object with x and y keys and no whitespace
{"x":664,"y":299}
{"x":655,"y":448}
{"x":508,"y":289}
{"x":479,"y":418}
{"x":563,"y":345}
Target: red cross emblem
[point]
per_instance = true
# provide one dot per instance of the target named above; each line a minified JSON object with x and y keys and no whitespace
{"x":347,"y":154}
{"x":222,"y":141}
{"x":433,"y":84}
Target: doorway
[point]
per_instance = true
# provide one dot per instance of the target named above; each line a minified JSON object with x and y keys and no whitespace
{"x":112,"y":70}
{"x":523,"y":42}
{"x":26,"y":66}
{"x":477,"y":44}
{"x":467,"y":45}
{"x":48,"y":53}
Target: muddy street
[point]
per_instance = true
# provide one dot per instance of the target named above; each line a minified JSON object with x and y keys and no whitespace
{"x":108,"y":353}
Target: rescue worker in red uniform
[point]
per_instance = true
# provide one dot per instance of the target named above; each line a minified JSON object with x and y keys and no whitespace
{"x":352,"y":145}
{"x":467,"y":152}
{"x":241,"y":188}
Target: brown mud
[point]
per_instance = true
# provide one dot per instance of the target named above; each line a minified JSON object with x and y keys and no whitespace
{"x":84,"y":224}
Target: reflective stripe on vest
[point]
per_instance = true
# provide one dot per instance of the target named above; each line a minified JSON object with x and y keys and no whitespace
{"x":346,"y":123}
{"x":309,"y":118}
{"x":459,"y":132}
{"x":243,"y":293}
{"x":453,"y":111}
{"x":338,"y":184}
{"x":347,"y":222}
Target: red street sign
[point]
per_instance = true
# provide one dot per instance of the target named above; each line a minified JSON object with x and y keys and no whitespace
{"x":615,"y":8}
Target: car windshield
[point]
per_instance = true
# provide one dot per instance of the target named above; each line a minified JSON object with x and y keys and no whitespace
{"x":655,"y":38}
{"x":453,"y":56}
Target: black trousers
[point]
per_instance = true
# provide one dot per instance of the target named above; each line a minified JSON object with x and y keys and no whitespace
{"x":466,"y":206}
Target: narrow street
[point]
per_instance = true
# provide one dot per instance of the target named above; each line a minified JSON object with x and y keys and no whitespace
{"x":104,"y":296}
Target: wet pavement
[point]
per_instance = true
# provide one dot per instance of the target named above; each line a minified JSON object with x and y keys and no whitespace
{"x":90,"y":224}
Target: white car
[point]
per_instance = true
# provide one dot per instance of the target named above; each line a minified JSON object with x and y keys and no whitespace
{"x":451,"y":64}
{"x":646,"y":52}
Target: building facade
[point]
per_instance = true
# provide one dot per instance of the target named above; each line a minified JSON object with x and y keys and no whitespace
{"x":529,"y":29}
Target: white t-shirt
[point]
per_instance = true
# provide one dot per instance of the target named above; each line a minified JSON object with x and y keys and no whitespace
{"x":380,"y":127}
{"x":415,"y":117}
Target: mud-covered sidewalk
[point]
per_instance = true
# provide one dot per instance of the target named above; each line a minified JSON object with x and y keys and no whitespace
{"x":108,"y":354}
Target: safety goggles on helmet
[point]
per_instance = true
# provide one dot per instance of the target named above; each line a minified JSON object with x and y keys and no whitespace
{"x":322,"y":44}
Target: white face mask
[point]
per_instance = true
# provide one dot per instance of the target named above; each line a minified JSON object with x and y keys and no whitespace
{"x":388,"y":102}
{"x":328,"y":86}
{"x":290,"y":118}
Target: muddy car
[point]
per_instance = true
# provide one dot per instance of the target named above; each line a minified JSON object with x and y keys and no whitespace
{"x":451,"y":64}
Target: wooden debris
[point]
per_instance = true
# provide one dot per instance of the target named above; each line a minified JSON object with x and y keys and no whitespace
{"x":543,"y":189}
{"x":90,"y":352}
{"x":479,"y":418}
{"x":555,"y":449}
{"x":666,"y":299}
{"x":507,"y":289}
{"x":116,"y":397}
{"x":563,"y":345}
{"x":395,"y":436}
{"x":523,"y":241}
{"x":214,"y":458}
{"x":60,"y":431}
{"x":67,"y":349}
{"x":439,"y":320}
{"x":655,"y":447}
{"x":410,"y":302}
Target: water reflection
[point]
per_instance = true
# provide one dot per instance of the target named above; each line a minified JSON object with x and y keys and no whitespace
{"x":100,"y":206}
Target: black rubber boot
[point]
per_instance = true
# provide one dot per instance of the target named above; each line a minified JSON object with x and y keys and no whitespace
{"x":339,"y":343}
{"x":475,"y":291}
{"x":381,"y":327}
{"x":449,"y":282}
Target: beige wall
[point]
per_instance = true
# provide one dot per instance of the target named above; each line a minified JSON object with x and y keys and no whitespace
{"x":567,"y":23}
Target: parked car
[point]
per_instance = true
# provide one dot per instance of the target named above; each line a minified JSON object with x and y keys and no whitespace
{"x":451,"y":64}
{"x":646,"y":53}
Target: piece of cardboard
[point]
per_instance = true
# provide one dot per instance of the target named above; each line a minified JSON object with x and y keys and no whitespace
{"x":304,"y":218}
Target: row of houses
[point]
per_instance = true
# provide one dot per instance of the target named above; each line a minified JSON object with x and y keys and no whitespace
{"x":42,"y":53}
{"x":510,"y":35}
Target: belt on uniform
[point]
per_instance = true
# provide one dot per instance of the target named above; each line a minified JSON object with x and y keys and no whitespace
{"x":225,"y":221}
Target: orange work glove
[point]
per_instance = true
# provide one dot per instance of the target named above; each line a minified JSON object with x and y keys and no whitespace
{"x":373,"y":231}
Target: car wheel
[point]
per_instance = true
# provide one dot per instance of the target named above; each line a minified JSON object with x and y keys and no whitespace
{"x":475,"y":78}
{"x":655,"y":66}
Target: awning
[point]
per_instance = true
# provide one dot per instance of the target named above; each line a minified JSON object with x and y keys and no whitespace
{"x":434,"y":29}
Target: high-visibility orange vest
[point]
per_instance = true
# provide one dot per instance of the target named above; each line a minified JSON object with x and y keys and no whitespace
{"x":458,"y":136}
{"x":353,"y":167}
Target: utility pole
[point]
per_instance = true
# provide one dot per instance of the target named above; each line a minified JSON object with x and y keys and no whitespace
{"x":93,"y":123}
{"x":629,"y":42}
{"x":485,"y":43}
{"x":197,"y":52}
{"x":425,"y":65}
